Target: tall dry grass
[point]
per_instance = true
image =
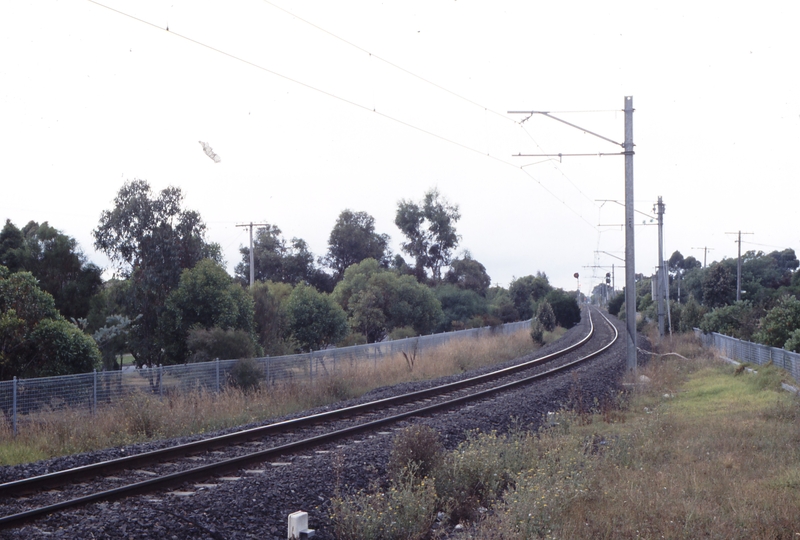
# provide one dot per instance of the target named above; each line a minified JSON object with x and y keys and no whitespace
{"x":702,"y":453}
{"x":141,"y":417}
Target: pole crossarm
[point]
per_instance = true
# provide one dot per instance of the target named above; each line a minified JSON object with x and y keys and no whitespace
{"x":547,"y":114}
{"x":559,"y":156}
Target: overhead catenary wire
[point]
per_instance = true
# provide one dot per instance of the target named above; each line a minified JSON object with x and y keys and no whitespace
{"x":390,"y":63}
{"x":349,"y":101}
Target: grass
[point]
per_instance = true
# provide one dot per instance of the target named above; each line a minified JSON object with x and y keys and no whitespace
{"x":698,"y":452}
{"x":141,"y":416}
{"x":701,"y":453}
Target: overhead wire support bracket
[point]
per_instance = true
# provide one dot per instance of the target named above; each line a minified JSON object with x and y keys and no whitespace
{"x":547,"y":114}
{"x":560,"y":155}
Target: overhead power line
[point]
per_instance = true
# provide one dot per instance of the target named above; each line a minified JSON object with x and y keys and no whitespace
{"x":348,"y":101}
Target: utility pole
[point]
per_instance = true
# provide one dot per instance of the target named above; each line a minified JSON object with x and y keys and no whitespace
{"x":630,"y":270}
{"x":739,"y":265}
{"x":705,"y":249}
{"x":660,"y":275}
{"x":630,"y":259}
{"x":252,"y":262}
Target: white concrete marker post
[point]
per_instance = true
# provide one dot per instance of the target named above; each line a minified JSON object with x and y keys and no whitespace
{"x":298,"y":526}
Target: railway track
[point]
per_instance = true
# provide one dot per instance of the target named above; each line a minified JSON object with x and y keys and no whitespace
{"x":27,"y":499}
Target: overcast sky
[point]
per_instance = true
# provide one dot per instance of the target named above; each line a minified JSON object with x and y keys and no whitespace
{"x":318,"y":106}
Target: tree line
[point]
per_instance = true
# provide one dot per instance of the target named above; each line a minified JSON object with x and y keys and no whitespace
{"x":172,"y":301}
{"x":768,"y":311}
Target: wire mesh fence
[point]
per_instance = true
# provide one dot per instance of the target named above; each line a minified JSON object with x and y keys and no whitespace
{"x":753,"y":353}
{"x":22,"y":397}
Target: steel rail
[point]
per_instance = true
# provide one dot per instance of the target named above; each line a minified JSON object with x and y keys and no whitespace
{"x":58,"y":478}
{"x":239,"y":462}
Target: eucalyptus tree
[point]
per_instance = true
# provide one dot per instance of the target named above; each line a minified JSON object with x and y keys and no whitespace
{"x":353,"y":239}
{"x":429,"y":228}
{"x":151,"y":239}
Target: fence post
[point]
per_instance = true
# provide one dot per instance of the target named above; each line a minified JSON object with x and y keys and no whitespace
{"x":311,"y":368}
{"x":94,"y":393}
{"x":216,"y":361}
{"x":160,"y":381}
{"x":268,"y":381}
{"x":14,"y":406}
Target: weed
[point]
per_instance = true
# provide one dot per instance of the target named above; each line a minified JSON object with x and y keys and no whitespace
{"x":418,"y":447}
{"x":405,"y":511}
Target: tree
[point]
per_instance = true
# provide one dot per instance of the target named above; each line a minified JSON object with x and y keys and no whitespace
{"x":528,"y":289}
{"x":112,"y":338}
{"x":56,"y":261}
{"x":35,"y":340}
{"x":460,"y":306}
{"x":314,"y":319}
{"x":275,"y":259}
{"x":429,"y":227}
{"x":545,"y":315}
{"x":12,"y":247}
{"x":151,"y":240}
{"x":719,"y":286}
{"x":565,"y":308}
{"x":500,"y":304}
{"x":377,"y":301}
{"x":206,"y":344}
{"x":206,"y":297}
{"x":270,"y":318}
{"x":467,"y":273}
{"x":615,"y":304}
{"x":739,"y":320}
{"x":779,"y":322}
{"x":354,"y":239}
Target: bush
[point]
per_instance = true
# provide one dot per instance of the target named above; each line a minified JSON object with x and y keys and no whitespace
{"x":537,"y":331}
{"x":780,"y":322}
{"x":793,"y":343}
{"x":205,"y":345}
{"x":417,"y":447}
{"x":246,"y":374}
{"x":406,"y":511}
{"x":737,"y":320}
{"x":691,"y":315}
{"x":479,"y":470}
{"x":402,"y":332}
{"x":615,"y":304}
{"x":565,"y":307}
{"x":545,"y":315}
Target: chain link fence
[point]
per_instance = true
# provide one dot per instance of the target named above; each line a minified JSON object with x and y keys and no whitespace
{"x":21,"y":397}
{"x":753,"y":353}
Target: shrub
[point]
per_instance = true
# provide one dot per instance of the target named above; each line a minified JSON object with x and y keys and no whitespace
{"x":406,"y":511}
{"x":691,"y":315}
{"x":402,"y":332}
{"x":208,"y":344}
{"x":246,"y":374}
{"x":417,"y":447}
{"x":546,"y":316}
{"x":736,"y":320}
{"x":780,"y":322}
{"x":537,"y":332}
{"x":565,"y":307}
{"x":479,"y":470}
{"x":793,"y":343}
{"x":615,"y":304}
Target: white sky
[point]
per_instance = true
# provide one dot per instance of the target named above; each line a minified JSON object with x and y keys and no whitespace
{"x":90,"y":98}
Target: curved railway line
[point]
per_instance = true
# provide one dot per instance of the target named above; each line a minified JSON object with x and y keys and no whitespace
{"x":27,"y":499}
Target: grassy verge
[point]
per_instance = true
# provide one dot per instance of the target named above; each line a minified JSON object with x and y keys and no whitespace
{"x":141,"y":417}
{"x":699,"y":452}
